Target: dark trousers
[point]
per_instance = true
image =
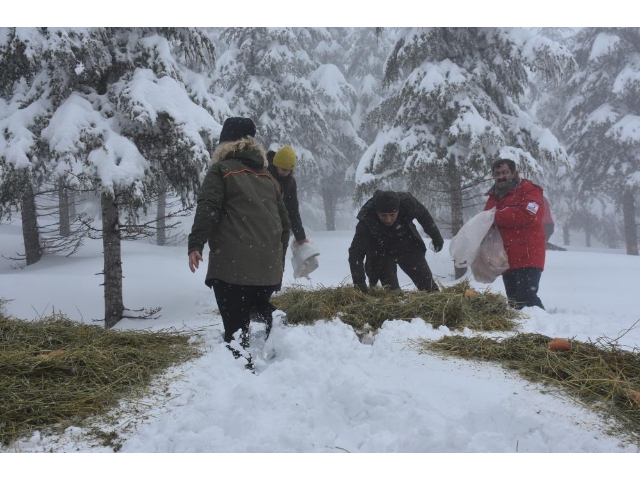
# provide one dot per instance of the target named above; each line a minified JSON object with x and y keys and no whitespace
{"x":521,"y":286}
{"x":383,"y":268}
{"x":238,"y":302}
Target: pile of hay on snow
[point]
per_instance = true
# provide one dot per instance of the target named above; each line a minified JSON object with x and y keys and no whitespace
{"x":56,"y":372}
{"x":602,"y":375}
{"x":457,"y":306}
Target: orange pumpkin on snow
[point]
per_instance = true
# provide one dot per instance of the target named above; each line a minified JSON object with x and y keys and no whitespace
{"x":635,"y":395}
{"x":559,"y":345}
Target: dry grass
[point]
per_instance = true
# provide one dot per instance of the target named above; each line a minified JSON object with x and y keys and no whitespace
{"x":456,"y":307}
{"x":56,"y":371}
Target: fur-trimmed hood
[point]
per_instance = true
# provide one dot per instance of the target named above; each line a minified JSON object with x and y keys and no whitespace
{"x":246,"y":148}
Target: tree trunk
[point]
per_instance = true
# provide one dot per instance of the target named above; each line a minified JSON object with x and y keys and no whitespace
{"x":630,"y":227}
{"x":30,"y":234}
{"x":71,"y":197}
{"x":455,"y":197}
{"x":113,"y":304}
{"x":161,"y":224}
{"x":587,"y":235}
{"x":565,"y":234}
{"x":63,"y":210}
{"x":329,"y":201}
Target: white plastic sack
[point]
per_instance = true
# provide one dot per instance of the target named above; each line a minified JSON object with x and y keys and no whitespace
{"x":304,"y":259}
{"x":491,"y":260}
{"x":465,"y":245}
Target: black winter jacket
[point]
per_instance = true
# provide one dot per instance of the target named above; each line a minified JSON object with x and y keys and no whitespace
{"x":290,"y":191}
{"x":372,"y":237}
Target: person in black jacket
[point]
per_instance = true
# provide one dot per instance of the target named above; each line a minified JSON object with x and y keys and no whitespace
{"x":387,"y":237}
{"x":281,"y":165}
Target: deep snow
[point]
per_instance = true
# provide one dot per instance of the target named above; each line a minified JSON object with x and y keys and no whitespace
{"x":325,"y":391}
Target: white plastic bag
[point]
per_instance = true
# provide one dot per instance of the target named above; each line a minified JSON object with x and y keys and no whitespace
{"x":465,"y":245}
{"x":491,"y":260}
{"x":304,"y":259}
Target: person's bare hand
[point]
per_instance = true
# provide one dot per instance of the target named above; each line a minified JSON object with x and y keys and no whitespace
{"x":195,"y":258}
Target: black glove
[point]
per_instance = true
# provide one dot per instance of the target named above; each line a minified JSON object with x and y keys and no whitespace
{"x":438,"y":243}
{"x":362,"y":287}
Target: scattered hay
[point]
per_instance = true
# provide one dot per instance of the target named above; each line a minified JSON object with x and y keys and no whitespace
{"x":457,"y":306}
{"x":56,"y":371}
{"x":600,"y":374}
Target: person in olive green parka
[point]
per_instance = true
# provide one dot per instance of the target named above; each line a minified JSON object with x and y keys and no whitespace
{"x":241,"y":214}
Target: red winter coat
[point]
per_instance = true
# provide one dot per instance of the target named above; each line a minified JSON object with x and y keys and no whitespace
{"x":519,"y":219}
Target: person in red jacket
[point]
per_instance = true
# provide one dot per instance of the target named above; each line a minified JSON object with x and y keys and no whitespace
{"x":519,"y":212}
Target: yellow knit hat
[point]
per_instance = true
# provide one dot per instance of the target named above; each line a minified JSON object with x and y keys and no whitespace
{"x":285,"y":158}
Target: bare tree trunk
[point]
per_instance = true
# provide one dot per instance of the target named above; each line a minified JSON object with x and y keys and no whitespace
{"x":565,"y":234}
{"x":630,"y":227}
{"x":587,"y":234}
{"x":455,"y":197}
{"x":329,"y":201}
{"x":113,"y":304}
{"x":30,"y":233}
{"x":161,"y":236}
{"x":71,"y":197}
{"x":63,"y":210}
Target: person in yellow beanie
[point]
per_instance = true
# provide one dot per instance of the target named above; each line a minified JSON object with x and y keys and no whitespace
{"x":281,"y":165}
{"x":285,"y":158}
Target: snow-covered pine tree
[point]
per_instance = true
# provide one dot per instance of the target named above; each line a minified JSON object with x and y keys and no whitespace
{"x":455,"y":105}
{"x":549,"y":106}
{"x":27,"y":96}
{"x":273,"y":75}
{"x":602,"y":125}
{"x":126,"y":107}
{"x":366,"y":52}
{"x":336,"y":100}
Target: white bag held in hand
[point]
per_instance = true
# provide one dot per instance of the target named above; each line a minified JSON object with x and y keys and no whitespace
{"x":491,"y":260}
{"x":465,"y":245}
{"x":304,"y":259}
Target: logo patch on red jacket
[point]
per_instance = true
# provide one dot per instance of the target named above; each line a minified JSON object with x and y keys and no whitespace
{"x":532,"y":208}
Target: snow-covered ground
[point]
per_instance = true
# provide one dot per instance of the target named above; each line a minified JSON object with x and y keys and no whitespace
{"x":325,"y":391}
